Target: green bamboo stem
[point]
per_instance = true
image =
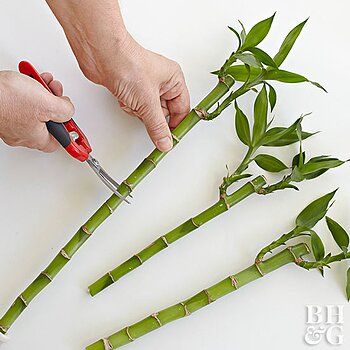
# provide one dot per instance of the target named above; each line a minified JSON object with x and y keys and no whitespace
{"x":230,"y":284}
{"x":106,"y":209}
{"x":221,"y":206}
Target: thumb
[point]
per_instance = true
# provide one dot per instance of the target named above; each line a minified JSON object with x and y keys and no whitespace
{"x":61,"y":109}
{"x":157,"y":127}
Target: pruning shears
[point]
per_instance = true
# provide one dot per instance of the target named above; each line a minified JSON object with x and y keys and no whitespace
{"x":71,"y":138}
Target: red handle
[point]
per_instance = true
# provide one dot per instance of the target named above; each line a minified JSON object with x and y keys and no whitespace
{"x":68,"y":134}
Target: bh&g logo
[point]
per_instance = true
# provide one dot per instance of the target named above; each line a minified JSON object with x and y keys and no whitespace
{"x":324,"y":323}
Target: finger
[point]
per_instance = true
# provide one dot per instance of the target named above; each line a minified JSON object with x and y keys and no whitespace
{"x":178,"y":102}
{"x":157,"y":127}
{"x":56,"y":87}
{"x":58,"y":109}
{"x":47,"y":76}
{"x":47,"y":143}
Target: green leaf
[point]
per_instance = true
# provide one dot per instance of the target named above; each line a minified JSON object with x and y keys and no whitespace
{"x":286,"y":139}
{"x":243,"y":32}
{"x":237,"y":35}
{"x":248,"y":59}
{"x":285,"y":76}
{"x":277,"y":133}
{"x":242,"y":126}
{"x":269,"y":163}
{"x":348,"y":285}
{"x":315,"y":211}
{"x":239,"y":72}
{"x":339,"y":234}
{"x":289,"y":77}
{"x":272,"y":97}
{"x":288,"y":43}
{"x":296,"y":175}
{"x":311,"y":167}
{"x":262,"y":56}
{"x":317,"y":246}
{"x":296,"y":159}
{"x":260,"y":116}
{"x":258,"y":33}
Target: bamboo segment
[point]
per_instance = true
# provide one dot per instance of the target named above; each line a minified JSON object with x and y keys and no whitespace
{"x":184,"y":229}
{"x":228,"y":285}
{"x":86,"y":231}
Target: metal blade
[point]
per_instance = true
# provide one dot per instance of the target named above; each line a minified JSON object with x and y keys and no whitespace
{"x":105,"y":178}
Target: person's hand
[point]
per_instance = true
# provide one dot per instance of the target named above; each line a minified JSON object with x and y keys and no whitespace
{"x":25,"y":106}
{"x":147,"y":85}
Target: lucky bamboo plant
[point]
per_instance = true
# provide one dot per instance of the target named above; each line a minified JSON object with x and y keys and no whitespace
{"x":304,"y":225}
{"x":258,"y":68}
{"x":262,"y":135}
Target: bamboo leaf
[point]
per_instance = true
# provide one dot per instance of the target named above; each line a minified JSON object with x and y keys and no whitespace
{"x":285,"y":76}
{"x":296,"y":159}
{"x":315,"y":167}
{"x":258,"y":33}
{"x":262,"y":56}
{"x":270,"y":163}
{"x":315,"y":211}
{"x":242,"y":126}
{"x":288,"y":43}
{"x":317,"y":246}
{"x":243,"y":32}
{"x":277,"y":133}
{"x":348,"y":285}
{"x":289,"y":77}
{"x":339,"y":234}
{"x":249,"y":59}
{"x":272,"y":97}
{"x":260,"y":116}
{"x":237,"y":35}
{"x":296,"y":175}
{"x":286,"y":139}
{"x":239,"y":72}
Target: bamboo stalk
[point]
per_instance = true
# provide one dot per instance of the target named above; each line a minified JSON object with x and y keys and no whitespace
{"x":230,"y":284}
{"x":107,"y":208}
{"x":221,"y":206}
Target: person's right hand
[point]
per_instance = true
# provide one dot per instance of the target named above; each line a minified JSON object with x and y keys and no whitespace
{"x":25,"y":106}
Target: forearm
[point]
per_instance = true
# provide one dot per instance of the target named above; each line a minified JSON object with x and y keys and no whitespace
{"x":95,"y":30}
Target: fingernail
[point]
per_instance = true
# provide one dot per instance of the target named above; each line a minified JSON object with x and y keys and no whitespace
{"x":164,"y":144}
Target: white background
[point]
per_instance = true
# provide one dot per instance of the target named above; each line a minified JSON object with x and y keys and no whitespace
{"x":45,"y":198}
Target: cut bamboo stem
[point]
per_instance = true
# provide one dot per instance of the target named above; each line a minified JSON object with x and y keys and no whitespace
{"x":86,"y":231}
{"x":230,"y":284}
{"x":224,"y":204}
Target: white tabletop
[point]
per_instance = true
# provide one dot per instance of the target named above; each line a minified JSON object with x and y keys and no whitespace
{"x":45,"y":198}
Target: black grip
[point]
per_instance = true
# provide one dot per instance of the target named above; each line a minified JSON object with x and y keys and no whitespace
{"x":59,"y":132}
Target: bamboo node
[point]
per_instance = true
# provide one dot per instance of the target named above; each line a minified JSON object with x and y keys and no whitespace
{"x":187,"y":312}
{"x":64,"y":254}
{"x":85,"y":229}
{"x":177,"y":140}
{"x":107,"y":344}
{"x":111,"y":276}
{"x":194,"y":223}
{"x":165,"y":241}
{"x":234,"y":281}
{"x":201,"y":113}
{"x":138,"y":258}
{"x":259,"y":269}
{"x":109,"y":208}
{"x":223,"y":80}
{"x":47,"y":276}
{"x":24,"y":301}
{"x":210,"y":299}
{"x":151,"y":161}
{"x":127,"y":185}
{"x":224,"y":198}
{"x":128,"y":334}
{"x":155,"y":316}
{"x":3,"y":329}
